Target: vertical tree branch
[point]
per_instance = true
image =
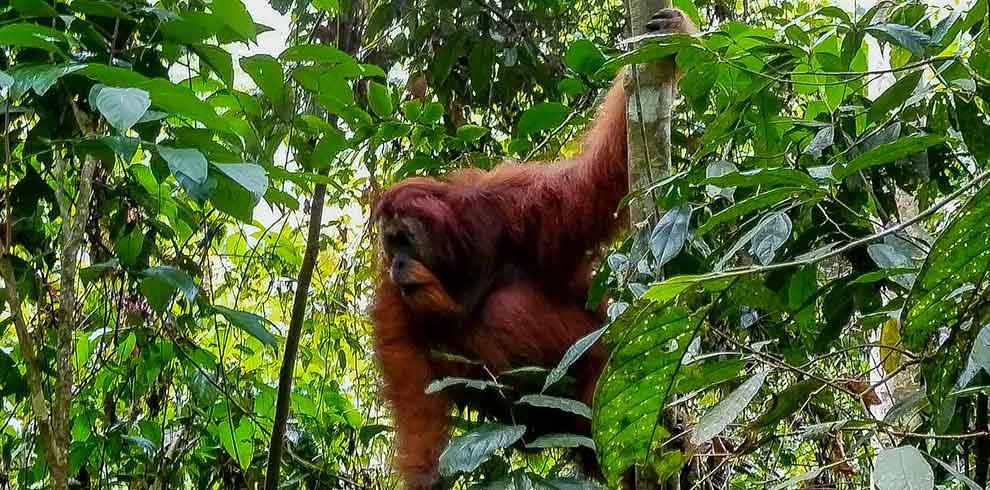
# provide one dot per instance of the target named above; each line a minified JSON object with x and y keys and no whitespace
{"x":39,"y":406}
{"x":650,"y":96}
{"x":72,"y":231}
{"x":292,"y":338}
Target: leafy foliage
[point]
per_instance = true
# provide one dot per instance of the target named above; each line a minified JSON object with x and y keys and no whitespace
{"x":791,"y":307}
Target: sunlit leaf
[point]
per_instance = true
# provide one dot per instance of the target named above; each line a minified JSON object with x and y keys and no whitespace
{"x":650,"y":339}
{"x":542,"y":117}
{"x":958,"y":262}
{"x":253,"y":324}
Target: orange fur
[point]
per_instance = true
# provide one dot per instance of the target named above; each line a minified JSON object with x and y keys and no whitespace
{"x":512,"y":252}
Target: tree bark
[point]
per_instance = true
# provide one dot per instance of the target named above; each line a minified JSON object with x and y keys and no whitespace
{"x":292,"y":339}
{"x":650,"y":97}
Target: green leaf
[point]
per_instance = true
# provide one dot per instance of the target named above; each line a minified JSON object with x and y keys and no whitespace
{"x":235,"y":15}
{"x":161,"y":282}
{"x":656,"y":49}
{"x":903,"y":468}
{"x":238,"y":442}
{"x":467,"y":452}
{"x":128,"y":247}
{"x":182,"y":101}
{"x":266,"y":72}
{"x":98,"y":8}
{"x":471,"y":132}
{"x":40,"y":78}
{"x":327,"y":5}
{"x":186,"y":161}
{"x":122,"y":107}
{"x":770,"y":177}
{"x":883,"y":154}
{"x":319,"y":53}
{"x":822,"y":140}
{"x":648,"y":341}
{"x":715,"y":420}
{"x":955,"y":266}
{"x":564,"y":404}
{"x":689,"y":8}
{"x":903,"y":36}
{"x":331,"y":144}
{"x":219,"y":61}
{"x":123,"y":146}
{"x":770,"y":198}
{"x":447,"y":382}
{"x":232,"y":198}
{"x":380,"y":100}
{"x":894,"y":96}
{"x":147,"y":446}
{"x":95,"y":271}
{"x":24,"y":35}
{"x":250,"y":323}
{"x":250,"y":176}
{"x":769,"y":236}
{"x":562,"y":440}
{"x":33,"y":8}
{"x":584,"y":57}
{"x":670,"y":233}
{"x":542,"y":117}
{"x":785,"y":404}
{"x":573,"y":353}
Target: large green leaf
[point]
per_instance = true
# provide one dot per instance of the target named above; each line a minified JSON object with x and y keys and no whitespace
{"x":186,"y":161}
{"x":250,"y":176}
{"x":562,"y":404}
{"x":895,"y":95}
{"x":24,"y":35}
{"x":542,"y":117}
{"x":467,"y":452}
{"x":160,"y":284}
{"x":584,"y":57}
{"x":219,"y":61}
{"x":648,"y":341}
{"x":238,"y":442}
{"x":755,"y":203}
{"x":669,"y":235}
{"x":765,"y":177}
{"x":887,"y":153}
{"x":380,"y":100}
{"x":267,"y":73}
{"x":957,"y":264}
{"x":250,"y":323}
{"x":235,"y":14}
{"x":122,"y":107}
{"x":904,"y":36}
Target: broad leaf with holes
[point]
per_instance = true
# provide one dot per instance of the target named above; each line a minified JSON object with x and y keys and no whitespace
{"x":650,"y":339}
{"x":957,"y":264}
